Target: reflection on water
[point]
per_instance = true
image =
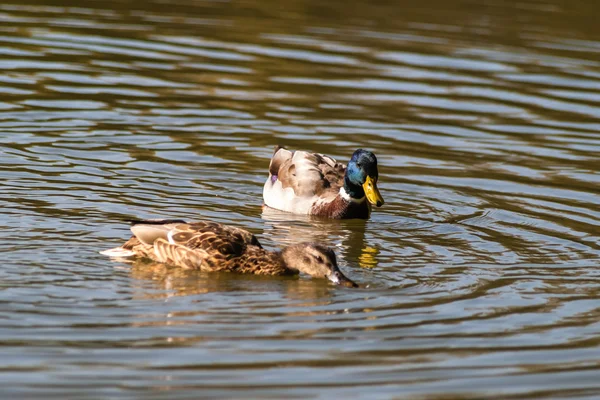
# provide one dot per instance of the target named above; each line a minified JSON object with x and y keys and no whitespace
{"x":480,"y":273}
{"x":346,"y":237}
{"x":170,"y":281}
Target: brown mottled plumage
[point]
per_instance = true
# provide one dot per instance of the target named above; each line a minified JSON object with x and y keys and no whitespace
{"x":209,"y":246}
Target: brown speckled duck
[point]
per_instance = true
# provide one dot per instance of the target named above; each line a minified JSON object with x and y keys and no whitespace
{"x":311,"y":183}
{"x":209,"y":246}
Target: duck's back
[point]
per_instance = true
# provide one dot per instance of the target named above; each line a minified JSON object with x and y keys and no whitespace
{"x":300,"y":180}
{"x":201,"y":245}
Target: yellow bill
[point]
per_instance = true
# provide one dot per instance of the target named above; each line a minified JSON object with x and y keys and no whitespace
{"x":373,"y":195}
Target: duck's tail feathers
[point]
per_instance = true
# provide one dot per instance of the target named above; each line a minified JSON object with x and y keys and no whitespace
{"x":118,"y":252}
{"x":280,"y":155}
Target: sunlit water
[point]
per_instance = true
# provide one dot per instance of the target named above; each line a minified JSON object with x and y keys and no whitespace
{"x":481,"y":272}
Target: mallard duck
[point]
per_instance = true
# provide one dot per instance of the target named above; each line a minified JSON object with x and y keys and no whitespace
{"x":209,"y":246}
{"x":311,"y":183}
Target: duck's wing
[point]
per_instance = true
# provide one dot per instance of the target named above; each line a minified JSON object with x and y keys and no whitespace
{"x":213,"y":237}
{"x":199,"y":245}
{"x":332,"y":171}
{"x":308,"y":174}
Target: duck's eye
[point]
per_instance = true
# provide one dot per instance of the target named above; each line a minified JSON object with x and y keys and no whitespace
{"x":319,"y":259}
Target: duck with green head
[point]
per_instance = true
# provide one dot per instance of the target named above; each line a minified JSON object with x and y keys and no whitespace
{"x":311,"y":183}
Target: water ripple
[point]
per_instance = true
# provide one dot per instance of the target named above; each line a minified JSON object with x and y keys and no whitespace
{"x":479,"y":274}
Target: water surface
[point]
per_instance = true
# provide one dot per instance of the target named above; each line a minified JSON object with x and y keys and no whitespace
{"x":480,"y":272}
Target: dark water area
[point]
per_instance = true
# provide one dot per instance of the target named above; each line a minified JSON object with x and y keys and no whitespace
{"x":481,"y":273}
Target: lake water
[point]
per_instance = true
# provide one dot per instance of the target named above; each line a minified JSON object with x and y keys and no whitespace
{"x":481,"y":273}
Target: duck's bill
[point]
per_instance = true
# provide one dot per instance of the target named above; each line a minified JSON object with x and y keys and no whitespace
{"x":340,"y":279}
{"x":373,"y":195}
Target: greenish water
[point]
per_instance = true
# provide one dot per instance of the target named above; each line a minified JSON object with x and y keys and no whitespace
{"x":481,"y":270}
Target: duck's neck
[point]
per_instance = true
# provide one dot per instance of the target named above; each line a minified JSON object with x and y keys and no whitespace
{"x":264,"y":262}
{"x":288,"y":258}
{"x":352,"y":192}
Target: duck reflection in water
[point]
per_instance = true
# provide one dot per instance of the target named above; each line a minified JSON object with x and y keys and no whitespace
{"x":154,"y":280}
{"x":346,"y":236}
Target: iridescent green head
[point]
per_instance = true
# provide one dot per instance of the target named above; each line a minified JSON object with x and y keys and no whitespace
{"x":361,"y":177}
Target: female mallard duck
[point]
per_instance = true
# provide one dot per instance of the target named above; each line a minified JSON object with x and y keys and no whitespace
{"x":310,"y":183}
{"x":209,"y":246}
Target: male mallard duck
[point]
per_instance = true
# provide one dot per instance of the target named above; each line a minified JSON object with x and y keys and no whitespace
{"x":310,"y":183}
{"x":209,"y":246}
